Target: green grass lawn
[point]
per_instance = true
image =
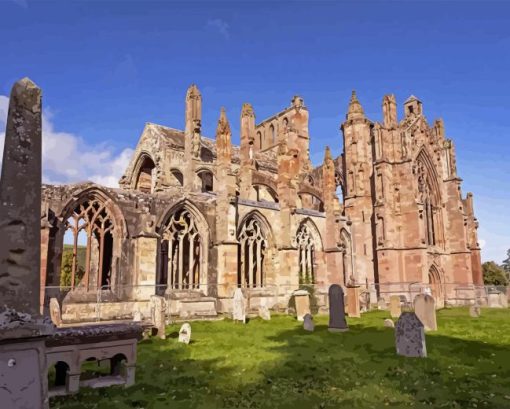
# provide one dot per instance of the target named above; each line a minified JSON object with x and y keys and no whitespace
{"x":276,"y":364}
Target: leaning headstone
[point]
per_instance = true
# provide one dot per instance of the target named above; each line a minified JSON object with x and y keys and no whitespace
{"x":353,"y":302}
{"x":158,"y":312}
{"x":185,"y":333}
{"x":308,"y":324}
{"x":302,"y":300}
{"x":389,"y":323}
{"x":264,"y":313}
{"x":55,"y":314}
{"x":395,"y":306}
{"x":410,"y":336}
{"x":337,"y":322}
{"x":239,"y":306}
{"x":425,"y":310}
{"x":474,"y":311}
{"x":503,"y":300}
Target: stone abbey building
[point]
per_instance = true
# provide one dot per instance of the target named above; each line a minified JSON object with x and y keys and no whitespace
{"x":194,"y":218}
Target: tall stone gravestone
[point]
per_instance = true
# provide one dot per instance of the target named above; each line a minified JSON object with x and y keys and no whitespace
{"x":302,"y":300}
{"x":55,"y":314}
{"x":239,"y":306}
{"x":337,"y":322}
{"x":410,"y":336}
{"x":185,"y":333}
{"x":395,"y":307}
{"x":425,"y":310}
{"x":353,"y":302}
{"x":158,"y":312}
{"x":23,"y":379}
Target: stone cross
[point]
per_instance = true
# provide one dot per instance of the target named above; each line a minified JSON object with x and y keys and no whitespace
{"x":308,"y":324}
{"x":20,"y":201}
{"x":395,"y":307}
{"x":239,"y":306}
{"x":337,"y":322}
{"x":55,"y":314}
{"x":353,"y":303}
{"x":425,"y":310}
{"x":158,"y":314}
{"x":185,"y":333}
{"x":302,"y":300}
{"x":410,"y":336}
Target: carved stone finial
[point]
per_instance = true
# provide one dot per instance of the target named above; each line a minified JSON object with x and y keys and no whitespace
{"x":223,"y":124}
{"x":355,"y":108}
{"x":327,"y":155}
{"x":247,"y":110}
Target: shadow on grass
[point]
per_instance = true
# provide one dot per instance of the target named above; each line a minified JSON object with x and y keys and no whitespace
{"x":279,"y":365}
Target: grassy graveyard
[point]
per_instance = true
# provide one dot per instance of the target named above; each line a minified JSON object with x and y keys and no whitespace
{"x":276,"y":364}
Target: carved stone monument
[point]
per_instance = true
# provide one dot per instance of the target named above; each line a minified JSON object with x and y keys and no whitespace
{"x":425,"y":310}
{"x":308,"y":324}
{"x":302,"y":300}
{"x":337,"y":322}
{"x":185,"y":333}
{"x":395,"y":307}
{"x":55,"y":313}
{"x":158,"y":312}
{"x":410,"y":336}
{"x":353,"y":302}
{"x":239,"y":306}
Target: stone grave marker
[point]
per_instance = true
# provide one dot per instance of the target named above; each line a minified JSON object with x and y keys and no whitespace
{"x":158,"y":312}
{"x":389,"y":323}
{"x":425,"y":310}
{"x":395,"y":306}
{"x":410,"y":336}
{"x":137,"y":316}
{"x":55,"y":314}
{"x":239,"y":306}
{"x":337,"y":322}
{"x":494,"y":300}
{"x":308,"y":324}
{"x":353,"y":302}
{"x":474,"y":311}
{"x":503,"y":300}
{"x":302,"y":300}
{"x":185,"y":333}
{"x":264,"y":313}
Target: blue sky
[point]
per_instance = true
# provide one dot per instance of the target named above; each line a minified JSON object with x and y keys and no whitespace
{"x":106,"y":68}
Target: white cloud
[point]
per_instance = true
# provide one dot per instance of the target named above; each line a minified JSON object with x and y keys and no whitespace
{"x":69,"y":159}
{"x":219,"y":25}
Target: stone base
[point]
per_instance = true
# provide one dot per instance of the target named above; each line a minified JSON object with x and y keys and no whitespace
{"x":204,"y":307}
{"x":91,"y":312}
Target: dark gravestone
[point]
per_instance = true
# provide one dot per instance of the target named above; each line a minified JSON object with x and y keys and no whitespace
{"x":20,"y":201}
{"x":410,"y":336}
{"x":337,"y":322}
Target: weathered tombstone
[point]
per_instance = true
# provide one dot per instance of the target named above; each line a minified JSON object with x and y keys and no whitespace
{"x":308,"y":324}
{"x":55,"y":314}
{"x":474,"y":311}
{"x":389,"y":323}
{"x":381,"y":304}
{"x":395,"y":306}
{"x":23,"y":378}
{"x":158,"y":312}
{"x":302,"y":300}
{"x":353,"y":304}
{"x":425,"y":310}
{"x":503,"y":300}
{"x":137,"y":316}
{"x":493,"y":300}
{"x":337,"y":322}
{"x":185,"y":333}
{"x":264,"y":313}
{"x":239,"y":306}
{"x":410,"y":336}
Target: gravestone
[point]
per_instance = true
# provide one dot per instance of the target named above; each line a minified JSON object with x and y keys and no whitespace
{"x":410,"y":336}
{"x":474,"y":311}
{"x":425,"y":310}
{"x":158,"y":314}
{"x":55,"y":314}
{"x":395,"y":306}
{"x":389,"y":323}
{"x":503,"y":300}
{"x":137,"y":316}
{"x":381,"y":304}
{"x":185,"y":333}
{"x":337,"y":322}
{"x":493,"y":300}
{"x":353,"y":302}
{"x":302,"y":300}
{"x":239,"y":306}
{"x":264,"y":313}
{"x":308,"y":324}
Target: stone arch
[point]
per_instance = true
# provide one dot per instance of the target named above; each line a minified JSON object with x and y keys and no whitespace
{"x":436,"y":282}
{"x":206,"y":179}
{"x":272,"y":133}
{"x":269,"y":189}
{"x":311,"y":200}
{"x":256,"y":246}
{"x":308,"y":242}
{"x":178,"y":177}
{"x":144,"y":173}
{"x":95,"y":227}
{"x":183,"y":248}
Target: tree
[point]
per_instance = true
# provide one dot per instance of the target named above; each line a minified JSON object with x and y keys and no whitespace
{"x":67,"y":268}
{"x":493,"y":274}
{"x":506,"y":262}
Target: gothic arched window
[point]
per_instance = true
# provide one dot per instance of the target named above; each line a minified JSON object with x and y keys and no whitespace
{"x":253,"y":246}
{"x":306,"y":248}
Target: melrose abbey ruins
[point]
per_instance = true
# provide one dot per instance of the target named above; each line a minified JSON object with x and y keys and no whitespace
{"x":195,"y":218}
